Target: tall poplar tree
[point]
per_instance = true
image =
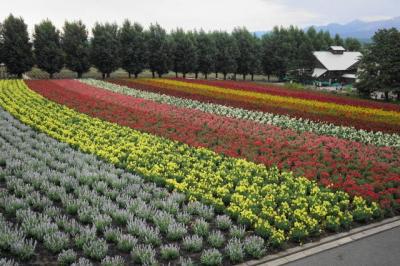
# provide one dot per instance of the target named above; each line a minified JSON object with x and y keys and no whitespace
{"x":48,"y":53}
{"x":105,"y":48}
{"x":16,"y":46}
{"x":75,"y":44}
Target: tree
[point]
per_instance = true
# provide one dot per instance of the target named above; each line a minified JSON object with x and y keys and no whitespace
{"x":158,"y":50}
{"x":353,"y":44}
{"x":104,"y":50}
{"x":206,"y":52}
{"x":380,"y":65}
{"x":75,"y":44}
{"x":47,"y":48}
{"x":255,"y":57}
{"x":133,"y":48}
{"x":245,"y":44}
{"x":16,"y":47}
{"x":338,"y":41}
{"x":275,"y":53}
{"x":227,"y":52}
{"x":183,"y":52}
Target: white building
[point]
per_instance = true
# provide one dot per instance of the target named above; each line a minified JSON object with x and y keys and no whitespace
{"x":336,"y":65}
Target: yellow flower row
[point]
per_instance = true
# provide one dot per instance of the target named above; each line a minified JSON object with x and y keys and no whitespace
{"x":278,"y":205}
{"x":283,"y":101}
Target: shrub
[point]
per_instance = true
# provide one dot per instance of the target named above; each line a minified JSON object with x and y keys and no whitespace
{"x":126,"y":243}
{"x":112,"y":234}
{"x":238,"y":232}
{"x":55,"y":242}
{"x":113,"y":261}
{"x":216,"y":239}
{"x":201,"y":227}
{"x":211,"y":257}
{"x":95,"y":249}
{"x":169,"y":252}
{"x":144,"y":255}
{"x":234,"y":250}
{"x":254,"y":246}
{"x":67,"y":257}
{"x":223,"y":222}
{"x":176,"y":231}
{"x":193,"y":243}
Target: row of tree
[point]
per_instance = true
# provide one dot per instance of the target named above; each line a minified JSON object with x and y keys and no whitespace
{"x":135,"y":49}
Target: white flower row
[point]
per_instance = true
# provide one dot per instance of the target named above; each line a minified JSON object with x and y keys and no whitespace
{"x":297,"y":124}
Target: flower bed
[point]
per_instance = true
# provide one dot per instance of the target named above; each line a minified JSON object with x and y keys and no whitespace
{"x":300,"y":125}
{"x":277,"y":204}
{"x":329,"y":116}
{"x":359,"y":169}
{"x":302,"y":94}
{"x":66,"y":213}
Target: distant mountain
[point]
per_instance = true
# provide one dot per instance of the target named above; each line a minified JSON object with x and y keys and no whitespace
{"x":359,"y":29}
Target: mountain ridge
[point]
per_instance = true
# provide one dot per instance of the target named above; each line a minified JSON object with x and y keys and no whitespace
{"x":362,"y":30}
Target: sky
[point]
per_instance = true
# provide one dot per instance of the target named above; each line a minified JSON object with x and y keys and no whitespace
{"x":205,"y":14}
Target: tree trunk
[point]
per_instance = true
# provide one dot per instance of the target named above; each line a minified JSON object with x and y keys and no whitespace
{"x":51,"y":75}
{"x":129,"y":74}
{"x":244,"y":77}
{"x":108,"y":75}
{"x":268,"y":76}
{"x":136,"y":75}
{"x":176,"y":74}
{"x":196,"y":75}
{"x":252,"y":77}
{"x":205,"y":75}
{"x":234,"y":76}
{"x":398,"y":95}
{"x":159,"y":75}
{"x":103,"y":75}
{"x":79,"y":75}
{"x":216,"y":75}
{"x":153,"y":74}
{"x":19,"y":75}
{"x":224,"y":76}
{"x":184,"y":75}
{"x":387,"y":96}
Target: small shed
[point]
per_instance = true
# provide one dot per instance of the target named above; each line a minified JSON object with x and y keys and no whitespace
{"x":336,"y":65}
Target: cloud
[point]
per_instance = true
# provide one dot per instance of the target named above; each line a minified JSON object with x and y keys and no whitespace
{"x":206,"y":14}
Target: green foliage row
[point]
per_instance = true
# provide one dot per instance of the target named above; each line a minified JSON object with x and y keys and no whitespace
{"x":134,"y":49}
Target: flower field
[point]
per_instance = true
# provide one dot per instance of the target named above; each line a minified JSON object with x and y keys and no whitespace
{"x":360,"y":117}
{"x":159,"y":171}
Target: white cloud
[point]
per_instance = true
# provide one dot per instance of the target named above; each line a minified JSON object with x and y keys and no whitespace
{"x":188,"y":14}
{"x":206,"y":14}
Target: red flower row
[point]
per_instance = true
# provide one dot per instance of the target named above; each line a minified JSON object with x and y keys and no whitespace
{"x":360,"y":169}
{"x":191,"y":94}
{"x":282,"y":91}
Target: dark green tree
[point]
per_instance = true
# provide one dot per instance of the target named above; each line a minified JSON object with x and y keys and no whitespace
{"x":246,"y":46}
{"x":75,"y":44}
{"x":183,"y":52}
{"x":380,"y":65}
{"x":227,"y":53}
{"x":255,"y":57}
{"x":48,"y":53}
{"x":276,"y":53}
{"x":16,"y":47}
{"x":133,"y":48}
{"x":159,"y":47}
{"x":352,"y":44}
{"x":338,"y":41}
{"x":206,"y":52}
{"x":104,"y":49}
